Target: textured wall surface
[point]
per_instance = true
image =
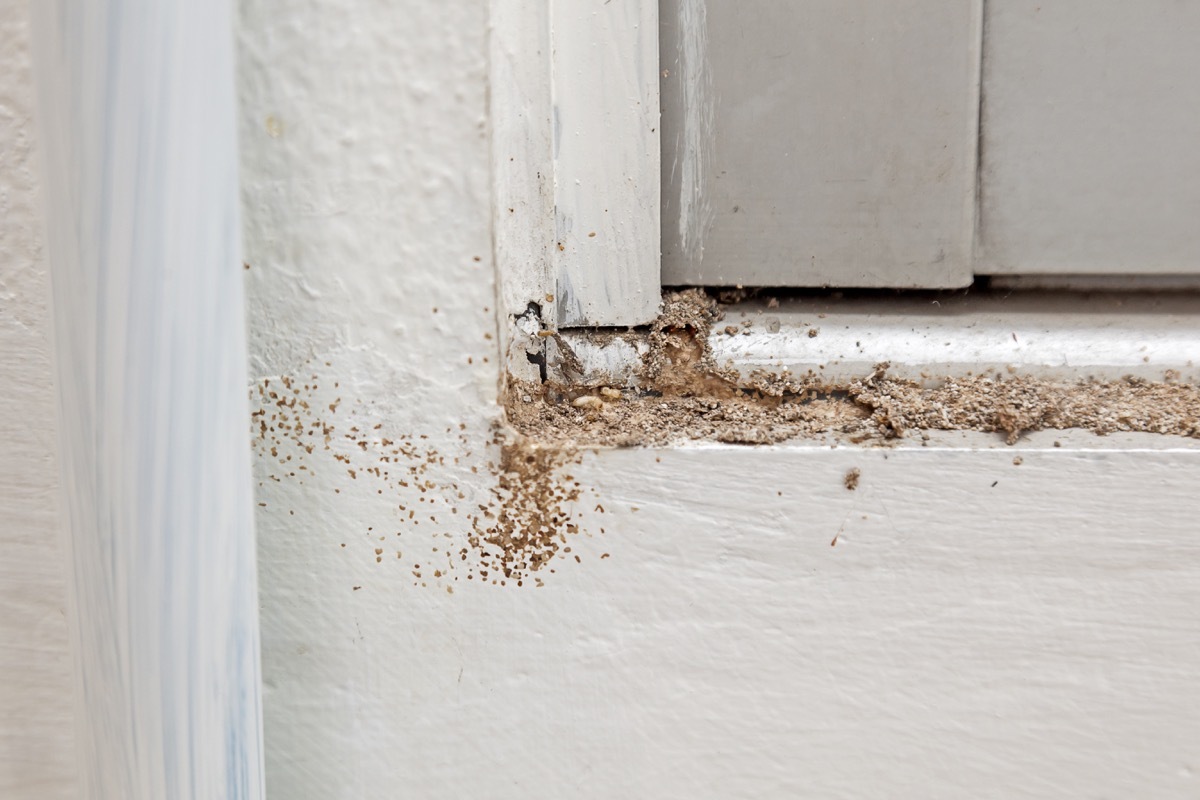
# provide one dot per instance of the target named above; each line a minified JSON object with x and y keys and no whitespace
{"x":371,"y":293}
{"x":36,"y":754}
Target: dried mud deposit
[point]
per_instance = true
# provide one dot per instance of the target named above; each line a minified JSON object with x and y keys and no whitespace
{"x":683,"y":395}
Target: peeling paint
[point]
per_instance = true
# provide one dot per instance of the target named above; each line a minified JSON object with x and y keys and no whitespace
{"x":695,"y":142}
{"x":604,"y":92}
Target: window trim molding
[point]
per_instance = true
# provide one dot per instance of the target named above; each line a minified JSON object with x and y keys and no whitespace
{"x":575,"y":152}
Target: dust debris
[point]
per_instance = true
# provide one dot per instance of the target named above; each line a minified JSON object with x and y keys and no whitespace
{"x":680,"y":395}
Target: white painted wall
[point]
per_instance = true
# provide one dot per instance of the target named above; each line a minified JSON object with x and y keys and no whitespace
{"x":365,"y":172}
{"x":36,"y":735}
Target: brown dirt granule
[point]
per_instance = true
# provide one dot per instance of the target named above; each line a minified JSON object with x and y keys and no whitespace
{"x":530,"y":517}
{"x":424,"y":503}
{"x":879,"y":408}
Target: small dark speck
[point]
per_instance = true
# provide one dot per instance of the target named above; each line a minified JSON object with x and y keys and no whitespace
{"x":736,"y":209}
{"x":994,"y":484}
{"x":356,"y":588}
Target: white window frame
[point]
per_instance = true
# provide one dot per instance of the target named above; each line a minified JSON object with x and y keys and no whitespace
{"x":577,"y":182}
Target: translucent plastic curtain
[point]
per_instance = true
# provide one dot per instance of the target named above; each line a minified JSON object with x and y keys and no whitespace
{"x":137,"y":127}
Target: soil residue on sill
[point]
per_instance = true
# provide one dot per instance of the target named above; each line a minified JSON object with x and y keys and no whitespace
{"x":682,"y":395}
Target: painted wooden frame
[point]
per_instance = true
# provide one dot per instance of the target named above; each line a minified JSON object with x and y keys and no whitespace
{"x":812,"y":143}
{"x":1088,"y":141}
{"x":574,"y":98}
{"x":575,"y":141}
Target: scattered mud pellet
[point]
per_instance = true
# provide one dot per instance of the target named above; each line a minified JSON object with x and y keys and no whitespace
{"x":850,"y":480}
{"x":532,"y":517}
{"x":1018,"y":461}
{"x":814,"y":333}
{"x":524,"y":524}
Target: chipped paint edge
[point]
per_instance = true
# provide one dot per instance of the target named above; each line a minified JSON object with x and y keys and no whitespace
{"x":696,"y":139}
